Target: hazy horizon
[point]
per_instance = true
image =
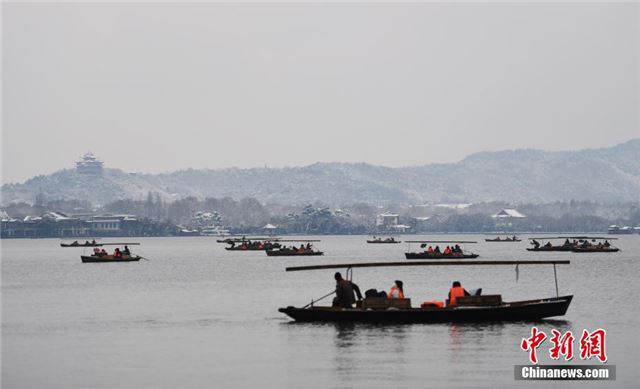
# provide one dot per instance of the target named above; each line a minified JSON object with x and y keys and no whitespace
{"x":164,"y":87}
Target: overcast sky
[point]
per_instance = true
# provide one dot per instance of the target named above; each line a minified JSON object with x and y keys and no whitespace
{"x":161,"y":87}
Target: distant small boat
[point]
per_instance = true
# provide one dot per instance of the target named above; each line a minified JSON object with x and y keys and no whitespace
{"x":425,"y":255}
{"x":386,"y":240}
{"x":507,"y":239}
{"x":109,"y":258}
{"x":292,"y":253}
{"x":76,"y":244}
{"x":459,"y":253}
{"x":254,"y":246}
{"x":576,"y":244}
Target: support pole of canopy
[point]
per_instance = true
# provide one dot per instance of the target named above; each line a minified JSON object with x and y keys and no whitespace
{"x":555,"y":276}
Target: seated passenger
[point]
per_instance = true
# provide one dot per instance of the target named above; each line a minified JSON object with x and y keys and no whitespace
{"x":436,"y":250}
{"x":456,"y":291}
{"x":447,"y":251}
{"x":430,"y":249}
{"x":396,"y":291}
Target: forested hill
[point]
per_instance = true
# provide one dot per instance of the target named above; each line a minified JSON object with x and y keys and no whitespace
{"x":604,"y":175}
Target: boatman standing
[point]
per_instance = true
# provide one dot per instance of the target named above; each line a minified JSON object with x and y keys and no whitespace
{"x":346,"y":292}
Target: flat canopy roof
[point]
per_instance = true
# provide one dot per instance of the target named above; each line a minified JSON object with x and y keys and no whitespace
{"x":425,"y":263}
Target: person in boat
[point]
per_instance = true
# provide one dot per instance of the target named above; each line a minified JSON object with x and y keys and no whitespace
{"x":548,"y":244}
{"x":430,"y":249}
{"x":437,"y":250}
{"x":96,"y":252}
{"x":457,"y":249}
{"x":346,"y":292}
{"x":126,"y":250}
{"x":567,"y":243}
{"x":396,"y":291}
{"x":93,"y":242}
{"x":117,"y":253}
{"x":535,"y":243}
{"x":514,"y":238}
{"x":103,"y":252}
{"x":456,"y":291}
{"x":447,"y":251}
{"x":301,"y":250}
{"x":607,"y":244}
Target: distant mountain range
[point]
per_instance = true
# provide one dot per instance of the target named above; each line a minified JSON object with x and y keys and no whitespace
{"x":604,"y":175}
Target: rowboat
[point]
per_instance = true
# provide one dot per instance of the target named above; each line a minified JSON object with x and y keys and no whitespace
{"x":109,"y":258}
{"x":576,"y":244}
{"x":507,"y":239}
{"x":95,"y":244}
{"x":461,"y":254}
{"x":253,"y":246}
{"x":99,"y":256}
{"x":426,"y":255}
{"x":390,"y":240}
{"x":292,"y":253}
{"x":595,"y":250}
{"x":489,"y":308}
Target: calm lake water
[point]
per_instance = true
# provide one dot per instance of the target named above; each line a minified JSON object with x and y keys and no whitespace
{"x":198,"y":316}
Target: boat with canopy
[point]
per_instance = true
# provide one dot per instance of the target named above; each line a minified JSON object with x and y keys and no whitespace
{"x":477,"y":308}
{"x":118,"y":255}
{"x":575,"y":244}
{"x":293,"y":251}
{"x":456,"y":252}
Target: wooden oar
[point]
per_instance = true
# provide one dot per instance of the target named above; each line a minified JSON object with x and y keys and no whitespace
{"x":323,"y":297}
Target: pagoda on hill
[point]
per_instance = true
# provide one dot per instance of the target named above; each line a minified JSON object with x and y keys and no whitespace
{"x":89,"y":164}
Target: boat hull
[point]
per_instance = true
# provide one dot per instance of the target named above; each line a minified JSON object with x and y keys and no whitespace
{"x":438,"y":256}
{"x":388,"y":242}
{"x":278,"y":253}
{"x":594,"y":250}
{"x":247,"y":249}
{"x":503,"y":240}
{"x":108,"y":258}
{"x":552,"y":248}
{"x":530,"y":310}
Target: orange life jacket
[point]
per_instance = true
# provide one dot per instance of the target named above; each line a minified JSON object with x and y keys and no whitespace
{"x":397,"y":291}
{"x":432,"y":304}
{"x":454,"y":293}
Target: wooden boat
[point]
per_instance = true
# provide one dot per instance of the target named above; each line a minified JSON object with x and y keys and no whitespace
{"x":576,"y":244}
{"x":425,"y":255}
{"x":95,"y":244}
{"x":292,"y":253}
{"x":528,"y":310}
{"x":507,"y":239}
{"x":469,"y":309}
{"x":109,"y":258}
{"x":550,"y":248}
{"x":254,"y":247}
{"x":387,"y":240}
{"x":440,"y":255}
{"x":595,"y":250}
{"x":75,"y":244}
